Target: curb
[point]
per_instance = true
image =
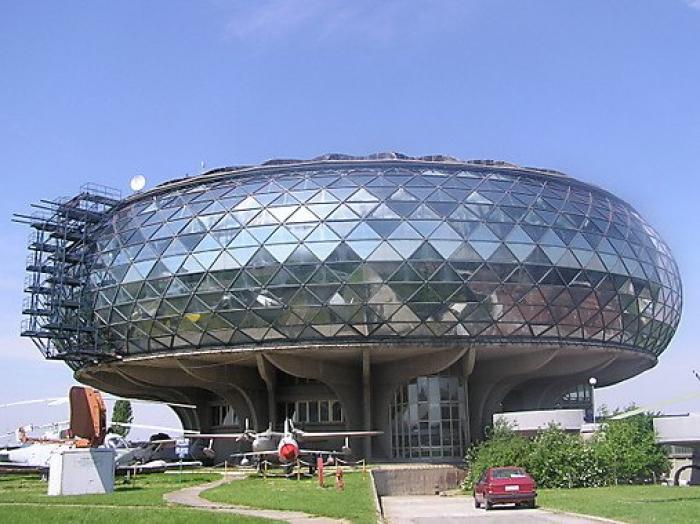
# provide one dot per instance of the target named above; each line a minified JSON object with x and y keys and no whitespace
{"x":377,"y":499}
{"x":580,"y":515}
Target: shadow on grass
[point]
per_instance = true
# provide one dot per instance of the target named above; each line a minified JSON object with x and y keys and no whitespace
{"x":665,"y":501}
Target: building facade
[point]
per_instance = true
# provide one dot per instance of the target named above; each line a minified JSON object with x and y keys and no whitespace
{"x":417,"y":296}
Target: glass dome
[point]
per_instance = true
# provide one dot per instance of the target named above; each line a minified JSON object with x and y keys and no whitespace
{"x":342,"y":250}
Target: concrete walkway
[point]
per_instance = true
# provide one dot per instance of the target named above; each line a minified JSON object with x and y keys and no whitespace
{"x":424,"y":509}
{"x":191,"y":497}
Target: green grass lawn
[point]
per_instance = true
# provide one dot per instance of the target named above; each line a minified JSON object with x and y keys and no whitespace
{"x":627,"y":503}
{"x":23,"y":499}
{"x":355,"y":503}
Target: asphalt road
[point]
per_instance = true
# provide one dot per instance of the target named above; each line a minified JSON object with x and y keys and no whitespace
{"x":427,"y":509}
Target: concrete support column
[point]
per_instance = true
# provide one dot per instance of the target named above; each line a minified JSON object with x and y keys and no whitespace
{"x":367,"y":399}
{"x":468,"y":361}
{"x":269,"y":375}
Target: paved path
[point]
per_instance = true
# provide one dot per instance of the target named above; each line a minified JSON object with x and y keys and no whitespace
{"x":426,"y":509}
{"x":191,"y":497}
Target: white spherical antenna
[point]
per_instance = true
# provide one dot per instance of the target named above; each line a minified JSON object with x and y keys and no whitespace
{"x":138,"y":183}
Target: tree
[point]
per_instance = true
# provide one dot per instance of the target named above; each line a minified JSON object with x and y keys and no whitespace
{"x":629,"y":451}
{"x":502,"y":447}
{"x":624,"y":451}
{"x":122,"y":413}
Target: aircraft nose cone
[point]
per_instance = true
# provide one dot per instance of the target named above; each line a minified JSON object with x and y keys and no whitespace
{"x":288,"y":452}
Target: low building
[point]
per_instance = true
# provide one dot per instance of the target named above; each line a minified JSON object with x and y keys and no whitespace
{"x":680,"y":434}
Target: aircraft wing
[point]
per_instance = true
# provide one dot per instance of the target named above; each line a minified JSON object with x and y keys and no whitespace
{"x":157,"y":466}
{"x":256,"y":454}
{"x":220,"y":435}
{"x":22,"y":466}
{"x":309,"y":436}
{"x":321,"y":452}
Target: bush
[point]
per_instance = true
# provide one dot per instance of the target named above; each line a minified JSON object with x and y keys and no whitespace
{"x":502,"y":447}
{"x":624,"y":451}
{"x":628,"y":451}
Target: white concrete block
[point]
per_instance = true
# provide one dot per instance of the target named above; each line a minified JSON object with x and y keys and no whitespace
{"x":81,"y":472}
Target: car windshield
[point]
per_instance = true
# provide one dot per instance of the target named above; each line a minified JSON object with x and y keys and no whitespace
{"x":508,"y":473}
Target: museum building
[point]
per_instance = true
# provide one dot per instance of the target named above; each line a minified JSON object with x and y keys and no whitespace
{"x":417,"y":296}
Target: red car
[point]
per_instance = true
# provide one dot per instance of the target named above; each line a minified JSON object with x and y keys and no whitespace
{"x":508,"y":485}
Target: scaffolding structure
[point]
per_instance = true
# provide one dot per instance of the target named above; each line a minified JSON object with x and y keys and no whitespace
{"x":58,"y":315}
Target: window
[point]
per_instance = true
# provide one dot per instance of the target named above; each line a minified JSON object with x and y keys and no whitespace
{"x":426,"y":418}
{"x":310,"y":411}
{"x":223,"y":415}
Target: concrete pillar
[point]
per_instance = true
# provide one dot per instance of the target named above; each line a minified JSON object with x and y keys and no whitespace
{"x":269,"y":375}
{"x":367,"y":400}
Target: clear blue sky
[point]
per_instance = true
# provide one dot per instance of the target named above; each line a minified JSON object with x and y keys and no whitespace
{"x":607,"y":91}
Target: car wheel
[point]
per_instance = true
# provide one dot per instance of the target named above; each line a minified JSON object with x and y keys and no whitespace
{"x":531,"y":504}
{"x":476,"y":502}
{"x":489,"y":505}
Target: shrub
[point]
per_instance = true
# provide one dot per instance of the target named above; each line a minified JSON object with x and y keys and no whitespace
{"x":502,"y":447}
{"x":624,"y":451}
{"x":628,"y":451}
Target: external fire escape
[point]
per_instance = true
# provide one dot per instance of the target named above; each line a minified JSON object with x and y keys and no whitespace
{"x":56,"y":305}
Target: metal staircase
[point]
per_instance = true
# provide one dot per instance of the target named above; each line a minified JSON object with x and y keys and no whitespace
{"x":58,"y":315}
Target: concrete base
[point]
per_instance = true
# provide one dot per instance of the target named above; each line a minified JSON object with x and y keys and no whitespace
{"x":364,"y":378}
{"x":81,"y":472}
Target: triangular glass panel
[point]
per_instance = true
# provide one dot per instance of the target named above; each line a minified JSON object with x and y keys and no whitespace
{"x":406,"y":273}
{"x":262,"y":258}
{"x":567,"y":259}
{"x":385,"y":253}
{"x":423,"y":212}
{"x":242,"y":254}
{"x":483,"y":233}
{"x":384,"y":228}
{"x":445,"y":232}
{"x":521,"y":251}
{"x":248,"y":203}
{"x":280,"y":252}
{"x":321,"y":249}
{"x":343,"y":213}
{"x":484,"y":249}
{"x":405,"y":231}
{"x":160,"y":270}
{"x":207,"y":258}
{"x":446,"y":247}
{"x":228,"y":222}
{"x":476,"y":198}
{"x":363,"y":247}
{"x":302,"y":215}
{"x":466,"y":253}
{"x":362,"y":195}
{"x":363,"y":232}
{"x":503,"y":255}
{"x":403,"y":195}
{"x":384,"y":212}
{"x":342,"y":254}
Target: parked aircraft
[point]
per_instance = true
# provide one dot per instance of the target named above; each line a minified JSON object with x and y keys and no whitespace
{"x":87,"y":428}
{"x":277,"y":446}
